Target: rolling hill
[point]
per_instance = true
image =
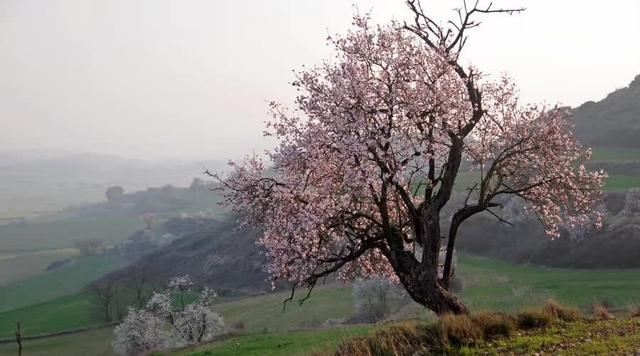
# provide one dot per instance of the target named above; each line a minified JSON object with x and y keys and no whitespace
{"x":613,"y":121}
{"x":217,"y":254}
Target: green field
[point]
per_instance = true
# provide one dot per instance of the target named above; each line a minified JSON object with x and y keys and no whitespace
{"x":64,"y":313}
{"x":265,"y":313}
{"x":614,"y":183}
{"x":618,"y":183}
{"x":50,"y":285}
{"x":291,"y":343}
{"x":494,"y":285}
{"x":489,"y":285}
{"x":607,"y":337}
{"x":615,"y":155}
{"x":94,"y":342}
{"x":15,"y":238}
{"x":16,"y":267}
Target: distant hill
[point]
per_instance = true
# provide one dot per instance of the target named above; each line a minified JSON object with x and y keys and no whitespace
{"x":42,"y":181}
{"x":615,"y":245}
{"x":215,"y":254}
{"x":102,"y":168}
{"x":613,"y":121}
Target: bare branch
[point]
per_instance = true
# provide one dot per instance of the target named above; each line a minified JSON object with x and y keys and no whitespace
{"x":499,"y":218}
{"x":290,"y":298}
{"x":438,"y":37}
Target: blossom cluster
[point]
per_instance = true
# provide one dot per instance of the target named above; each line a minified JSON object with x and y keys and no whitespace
{"x":160,"y":325}
{"x":371,"y":138}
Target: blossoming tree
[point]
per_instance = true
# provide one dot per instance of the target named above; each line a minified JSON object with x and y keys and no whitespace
{"x":162,"y":325}
{"x":370,"y":157}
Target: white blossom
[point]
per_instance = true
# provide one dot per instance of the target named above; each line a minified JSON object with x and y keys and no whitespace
{"x":160,"y":325}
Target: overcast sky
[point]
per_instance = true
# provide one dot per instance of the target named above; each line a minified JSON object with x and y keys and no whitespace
{"x":190,"y":79}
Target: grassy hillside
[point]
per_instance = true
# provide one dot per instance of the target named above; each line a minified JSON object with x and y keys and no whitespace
{"x":292,"y":343}
{"x":489,"y":285}
{"x":609,"y":154}
{"x":265,"y":313}
{"x":620,"y":336}
{"x":494,"y":285}
{"x":16,"y":267}
{"x":64,"y":313}
{"x":50,"y":285}
{"x":612,"y":121}
{"x":94,"y":342}
{"x":618,"y":183}
{"x":609,"y":337}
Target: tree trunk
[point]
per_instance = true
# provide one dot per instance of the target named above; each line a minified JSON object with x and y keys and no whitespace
{"x":421,"y":282}
{"x":435,"y":298}
{"x":441,"y":302}
{"x":18,"y":334}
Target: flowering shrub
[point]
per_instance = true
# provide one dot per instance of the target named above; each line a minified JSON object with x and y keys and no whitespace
{"x":162,"y":324}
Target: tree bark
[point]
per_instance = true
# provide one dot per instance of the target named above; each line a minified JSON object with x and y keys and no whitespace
{"x":420,"y":280}
{"x":434,"y":297}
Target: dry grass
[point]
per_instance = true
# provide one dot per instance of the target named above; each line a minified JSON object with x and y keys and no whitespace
{"x":601,"y":312}
{"x":456,"y":331}
{"x":403,"y":339}
{"x":634,"y":310}
{"x":419,"y":338}
{"x":460,"y":329}
{"x":495,"y":325}
{"x":563,"y":312}
{"x":535,"y":318}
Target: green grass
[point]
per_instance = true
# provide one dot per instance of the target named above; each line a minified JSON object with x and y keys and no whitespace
{"x":292,"y":343}
{"x":612,"y":337}
{"x":615,"y":155}
{"x":50,"y":285}
{"x":266,"y":313}
{"x":614,"y":183}
{"x":93,"y":342}
{"x":489,"y":285}
{"x":617,"y":183}
{"x":495,"y":285}
{"x":64,"y":313}
{"x":18,"y":267}
{"x":262,"y":313}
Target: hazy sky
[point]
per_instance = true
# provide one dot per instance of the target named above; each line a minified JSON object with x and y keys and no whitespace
{"x":190,"y":79}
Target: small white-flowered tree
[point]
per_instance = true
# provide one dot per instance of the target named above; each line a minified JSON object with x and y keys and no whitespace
{"x":168,"y":321}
